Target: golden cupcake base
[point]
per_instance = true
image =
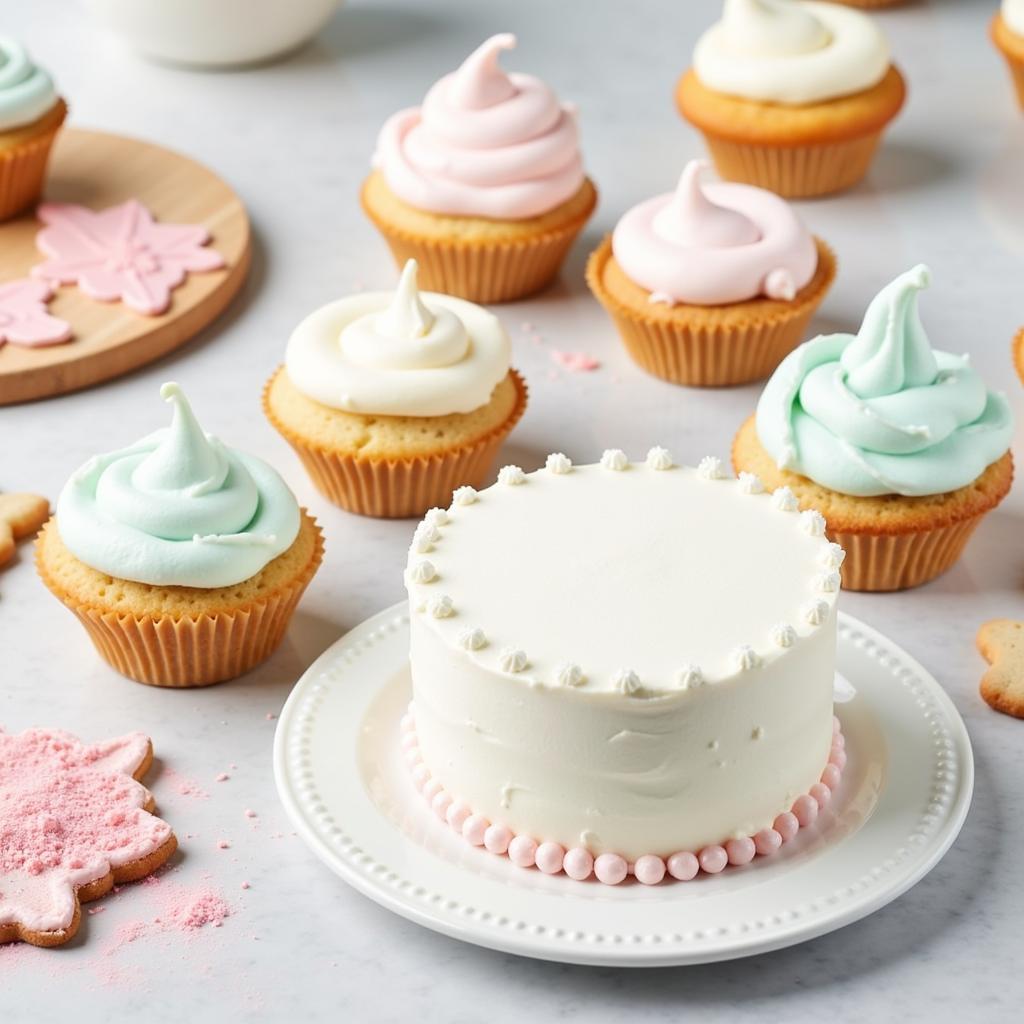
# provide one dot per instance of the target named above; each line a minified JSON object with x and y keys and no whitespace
{"x":712,"y":346}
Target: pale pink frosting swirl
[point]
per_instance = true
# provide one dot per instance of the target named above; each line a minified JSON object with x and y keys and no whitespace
{"x":708,"y":245}
{"x":485,"y":143}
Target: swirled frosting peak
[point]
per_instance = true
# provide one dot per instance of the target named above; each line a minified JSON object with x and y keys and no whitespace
{"x":485,"y":143}
{"x":791,"y":51}
{"x":399,"y":353}
{"x":177,"y":509}
{"x":881,"y":412}
{"x":713,"y":244}
{"x":26,"y":90}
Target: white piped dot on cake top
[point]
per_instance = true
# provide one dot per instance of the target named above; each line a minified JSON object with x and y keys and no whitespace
{"x":659,"y":458}
{"x":512,"y":659}
{"x":812,"y":522}
{"x":472,"y":638}
{"x":783,"y":635}
{"x":815,"y":612}
{"x":423,"y":572}
{"x":710,"y":468}
{"x":750,"y":483}
{"x":784,"y":500}
{"x":569,"y":674}
{"x":832,"y":556}
{"x":827,"y":582}
{"x":689,"y":676}
{"x":614,"y":459}
{"x":511,"y":476}
{"x":441,"y":607}
{"x":558,"y":464}
{"x":626,"y":680}
{"x":465,"y":495}
{"x":436,"y":517}
{"x":744,"y":658}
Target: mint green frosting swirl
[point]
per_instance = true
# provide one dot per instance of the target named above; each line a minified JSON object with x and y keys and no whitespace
{"x":881,"y":412}
{"x":177,"y":509}
{"x":26,"y":91}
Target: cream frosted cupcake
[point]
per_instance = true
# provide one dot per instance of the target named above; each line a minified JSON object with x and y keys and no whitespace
{"x":483,"y":184}
{"x":393,"y":400}
{"x":184,"y":559}
{"x":1007,"y":30}
{"x":901,"y":448}
{"x":792,"y":95}
{"x":31,"y":113}
{"x":713,"y":284}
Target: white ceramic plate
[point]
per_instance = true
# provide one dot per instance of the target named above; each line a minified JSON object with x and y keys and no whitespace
{"x":903,"y":798}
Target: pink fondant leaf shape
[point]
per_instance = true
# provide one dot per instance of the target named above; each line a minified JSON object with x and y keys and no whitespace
{"x":121,"y":253}
{"x":70,"y":815}
{"x":23,"y":316}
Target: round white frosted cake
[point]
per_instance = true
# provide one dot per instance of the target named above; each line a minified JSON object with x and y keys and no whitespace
{"x":629,"y":659}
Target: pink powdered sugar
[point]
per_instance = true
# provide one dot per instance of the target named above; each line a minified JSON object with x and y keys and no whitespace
{"x":69,"y":813}
{"x":192,"y":910}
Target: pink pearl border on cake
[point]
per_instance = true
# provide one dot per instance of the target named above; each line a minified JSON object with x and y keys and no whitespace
{"x":610,"y":868}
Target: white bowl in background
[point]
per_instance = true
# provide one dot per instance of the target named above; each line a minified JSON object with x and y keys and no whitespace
{"x":213,"y":33}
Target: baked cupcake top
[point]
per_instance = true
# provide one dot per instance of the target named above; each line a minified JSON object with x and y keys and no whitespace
{"x":1013,"y":14}
{"x":881,"y":412}
{"x":178,"y":508}
{"x":791,"y":51}
{"x":26,"y":90}
{"x":485,"y":143}
{"x":715,"y":243}
{"x":401,"y":353}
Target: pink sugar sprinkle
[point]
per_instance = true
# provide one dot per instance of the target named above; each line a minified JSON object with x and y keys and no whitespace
{"x":245,"y":885}
{"x":194,"y":910}
{"x":526,"y":327}
{"x":95,"y":910}
{"x":250,"y":813}
{"x":223,"y":777}
{"x":184,"y":785}
{"x":223,"y":844}
{"x":270,"y":716}
{"x":576,"y":361}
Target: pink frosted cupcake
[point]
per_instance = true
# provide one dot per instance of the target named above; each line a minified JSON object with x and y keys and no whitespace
{"x":483,"y":184}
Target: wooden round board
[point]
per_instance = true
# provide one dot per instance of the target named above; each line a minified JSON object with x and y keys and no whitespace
{"x":99,"y":170}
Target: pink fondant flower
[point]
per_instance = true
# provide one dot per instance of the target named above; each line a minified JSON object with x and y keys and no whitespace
{"x":121,"y":253}
{"x":23,"y":316}
{"x":71,"y":817}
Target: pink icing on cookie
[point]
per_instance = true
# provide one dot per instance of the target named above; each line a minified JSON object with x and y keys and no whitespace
{"x":121,"y":253}
{"x":23,"y":316}
{"x":714,"y":244}
{"x":69,"y":814}
{"x":485,"y":143}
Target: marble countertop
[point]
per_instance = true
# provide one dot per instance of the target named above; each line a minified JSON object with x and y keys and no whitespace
{"x":294,"y":139}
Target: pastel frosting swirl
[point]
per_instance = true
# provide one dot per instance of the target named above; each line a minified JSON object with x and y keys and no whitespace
{"x":881,"y":412}
{"x":26,"y":90}
{"x":791,"y":51}
{"x":713,"y":244}
{"x":399,"y":354}
{"x":178,"y":508}
{"x":1013,"y":14}
{"x":485,"y":143}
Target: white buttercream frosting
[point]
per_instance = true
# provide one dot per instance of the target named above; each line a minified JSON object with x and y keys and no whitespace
{"x":750,"y":483}
{"x":785,"y":500}
{"x":783,"y":635}
{"x":710,"y":468}
{"x":404,"y":353}
{"x":1013,"y":14}
{"x":812,"y":522}
{"x":465,"y":495}
{"x":627,"y":681}
{"x":615,"y":459}
{"x":441,"y":607}
{"x":569,"y":674}
{"x":422,"y":572}
{"x":689,"y":675}
{"x":659,"y":458}
{"x":832,"y":557}
{"x":511,"y":476}
{"x":472,"y":639}
{"x":558,"y":463}
{"x":791,"y":51}
{"x":512,"y":659}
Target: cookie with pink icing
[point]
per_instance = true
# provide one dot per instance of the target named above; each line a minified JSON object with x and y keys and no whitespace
{"x":74,"y":821}
{"x":712,"y":284}
{"x":121,"y":253}
{"x":24,"y":319}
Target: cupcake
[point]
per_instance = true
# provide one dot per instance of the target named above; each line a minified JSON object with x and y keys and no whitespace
{"x":792,"y":96}
{"x":901,"y":448}
{"x":1018,"y":353}
{"x":183,"y":558}
{"x":483,"y":184}
{"x":31,"y":112}
{"x":392,"y":400}
{"x":711,"y":285}
{"x":1007,"y":30}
